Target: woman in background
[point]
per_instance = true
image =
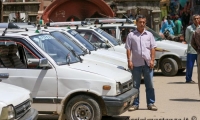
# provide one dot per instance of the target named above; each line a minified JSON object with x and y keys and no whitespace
{"x":168,"y":25}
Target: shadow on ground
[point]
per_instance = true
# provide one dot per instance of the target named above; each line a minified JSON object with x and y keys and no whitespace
{"x":185,"y":100}
{"x":160,"y":74}
{"x":181,"y":83}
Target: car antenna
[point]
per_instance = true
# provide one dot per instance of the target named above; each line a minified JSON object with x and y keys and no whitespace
{"x":77,"y":27}
{"x":4,"y":32}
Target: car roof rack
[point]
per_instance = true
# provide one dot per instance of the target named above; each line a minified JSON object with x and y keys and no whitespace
{"x":6,"y":30}
{"x":58,"y":24}
{"x":108,"y":20}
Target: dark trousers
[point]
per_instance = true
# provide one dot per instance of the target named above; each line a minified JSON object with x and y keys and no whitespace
{"x":191,"y":58}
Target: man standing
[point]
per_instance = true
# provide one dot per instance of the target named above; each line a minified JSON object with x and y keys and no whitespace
{"x":196,"y":45}
{"x":140,"y":44}
{"x":191,"y":53}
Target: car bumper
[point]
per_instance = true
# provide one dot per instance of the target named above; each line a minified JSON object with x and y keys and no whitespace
{"x":117,"y":105}
{"x":32,"y":114}
{"x":183,"y":64}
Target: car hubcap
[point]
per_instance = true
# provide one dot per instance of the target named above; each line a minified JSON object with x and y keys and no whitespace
{"x":168,"y":67}
{"x":82,"y":111}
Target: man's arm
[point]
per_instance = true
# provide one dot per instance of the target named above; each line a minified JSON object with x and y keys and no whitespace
{"x":187,"y":33}
{"x":193,"y":42}
{"x":152,"y":46}
{"x":152,"y":58}
{"x":130,"y":64}
{"x":128,"y":51}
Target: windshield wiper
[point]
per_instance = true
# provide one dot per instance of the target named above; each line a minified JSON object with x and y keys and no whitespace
{"x":68,"y":58}
{"x":78,"y":56}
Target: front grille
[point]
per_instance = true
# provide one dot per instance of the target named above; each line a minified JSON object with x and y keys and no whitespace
{"x":22,"y":108}
{"x":127,"y":86}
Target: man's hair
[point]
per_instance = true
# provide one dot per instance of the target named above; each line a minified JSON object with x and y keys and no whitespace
{"x":140,"y":16}
{"x":195,"y":15}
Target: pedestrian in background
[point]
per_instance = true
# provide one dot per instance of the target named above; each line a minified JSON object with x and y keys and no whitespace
{"x":191,"y":52}
{"x":140,"y":44}
{"x":185,"y":19}
{"x":178,"y":26}
{"x":196,"y":45}
{"x":168,"y":25}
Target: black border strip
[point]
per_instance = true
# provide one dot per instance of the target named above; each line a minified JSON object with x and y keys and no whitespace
{"x":47,"y":100}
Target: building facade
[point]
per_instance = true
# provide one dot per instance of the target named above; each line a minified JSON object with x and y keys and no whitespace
{"x":19,"y":10}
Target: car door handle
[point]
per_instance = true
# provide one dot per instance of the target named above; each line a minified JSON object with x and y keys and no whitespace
{"x":4,"y":75}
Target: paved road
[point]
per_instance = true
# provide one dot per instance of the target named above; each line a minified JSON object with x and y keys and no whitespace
{"x":174,"y":98}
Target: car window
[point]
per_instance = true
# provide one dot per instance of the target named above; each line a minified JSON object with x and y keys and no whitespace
{"x":67,"y":42}
{"x":93,"y":38}
{"x":81,"y":39}
{"x":110,"y":30}
{"x":15,"y":54}
{"x":59,"y":53}
{"x":124,"y":31}
{"x":112,"y":39}
{"x":156,"y":35}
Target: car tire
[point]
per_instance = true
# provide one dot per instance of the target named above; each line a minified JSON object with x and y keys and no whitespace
{"x":83,"y":107}
{"x":169,"y":67}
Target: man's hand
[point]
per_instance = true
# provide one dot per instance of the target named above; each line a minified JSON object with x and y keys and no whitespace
{"x":152,"y":64}
{"x":130,"y":65}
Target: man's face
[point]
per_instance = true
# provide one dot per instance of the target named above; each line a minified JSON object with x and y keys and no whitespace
{"x":141,"y":23}
{"x":196,"y":20}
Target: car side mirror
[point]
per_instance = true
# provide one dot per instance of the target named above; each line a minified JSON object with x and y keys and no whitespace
{"x":43,"y":62}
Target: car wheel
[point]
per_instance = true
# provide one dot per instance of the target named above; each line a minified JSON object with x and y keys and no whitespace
{"x":83,"y":107}
{"x":169,"y":67}
{"x":181,"y":70}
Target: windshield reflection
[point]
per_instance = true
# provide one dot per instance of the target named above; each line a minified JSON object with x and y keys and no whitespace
{"x":156,"y":35}
{"x":67,"y":42}
{"x":108,"y":36}
{"x":82,"y":40}
{"x":60,"y":54}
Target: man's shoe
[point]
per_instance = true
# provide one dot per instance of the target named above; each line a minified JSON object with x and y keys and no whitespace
{"x":190,"y":82}
{"x":152,"y":107}
{"x":133,"y":108}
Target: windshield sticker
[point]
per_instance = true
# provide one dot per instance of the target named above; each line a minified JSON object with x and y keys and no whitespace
{"x":45,"y":37}
{"x":99,"y":30}
{"x":73,"y":33}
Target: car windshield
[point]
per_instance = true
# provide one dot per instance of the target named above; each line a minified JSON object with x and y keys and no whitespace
{"x":59,"y":53}
{"x":82,"y":40}
{"x":156,"y":35}
{"x":67,"y":42}
{"x":108,"y":36}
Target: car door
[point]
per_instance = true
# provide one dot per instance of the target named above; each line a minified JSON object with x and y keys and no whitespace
{"x":41,"y":82}
{"x":124,"y":31}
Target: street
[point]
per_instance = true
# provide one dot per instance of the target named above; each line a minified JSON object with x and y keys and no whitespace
{"x":174,"y":98}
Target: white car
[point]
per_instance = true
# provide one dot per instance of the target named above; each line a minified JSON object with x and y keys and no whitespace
{"x":171,"y":58}
{"x":59,"y":82}
{"x":15,"y":102}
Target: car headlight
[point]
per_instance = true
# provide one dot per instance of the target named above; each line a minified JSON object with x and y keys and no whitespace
{"x":8,"y":113}
{"x":118,"y":88}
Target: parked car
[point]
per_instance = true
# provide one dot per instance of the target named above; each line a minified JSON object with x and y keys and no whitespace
{"x":60,"y":82}
{"x":15,"y":102}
